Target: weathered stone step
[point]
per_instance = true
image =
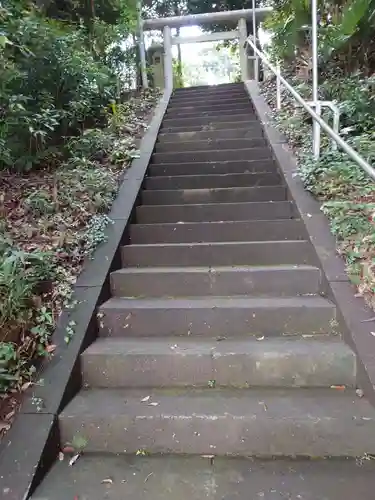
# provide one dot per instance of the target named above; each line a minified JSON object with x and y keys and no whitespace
{"x":216,"y":212}
{"x":211,"y":156}
{"x":199,"y":113}
{"x":207,"y":127}
{"x":208,"y":88}
{"x":176,"y":362}
{"x":219,"y":281}
{"x":216,"y":316}
{"x":213,"y":181}
{"x":313,"y":423}
{"x":217,"y":96}
{"x":205,"y":94}
{"x":204,"y":102}
{"x":209,"y":144}
{"x":215,"y":195}
{"x":186,"y":122}
{"x":263,"y":253}
{"x":193,"y":478}
{"x":239,"y":133}
{"x":268,"y":230}
{"x":217,"y":167}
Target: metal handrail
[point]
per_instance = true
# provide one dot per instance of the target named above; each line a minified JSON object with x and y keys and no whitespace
{"x":335,"y":137}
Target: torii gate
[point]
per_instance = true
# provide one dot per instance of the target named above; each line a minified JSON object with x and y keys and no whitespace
{"x":235,"y":16}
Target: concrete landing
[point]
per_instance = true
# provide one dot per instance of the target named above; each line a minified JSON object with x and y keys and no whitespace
{"x":197,"y":478}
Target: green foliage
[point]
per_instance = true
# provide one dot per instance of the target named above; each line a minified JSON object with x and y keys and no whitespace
{"x":346,"y":33}
{"x":55,"y":79}
{"x":23,"y":277}
{"x":59,"y":220}
{"x":178,"y":81}
{"x":65,"y":139}
{"x":346,"y":192}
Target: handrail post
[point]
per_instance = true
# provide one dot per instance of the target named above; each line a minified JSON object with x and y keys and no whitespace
{"x":168,"y":60}
{"x":336,"y":125}
{"x":316,"y":132}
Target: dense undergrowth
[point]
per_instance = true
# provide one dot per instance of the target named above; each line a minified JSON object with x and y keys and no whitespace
{"x":346,"y":191}
{"x":68,"y":130}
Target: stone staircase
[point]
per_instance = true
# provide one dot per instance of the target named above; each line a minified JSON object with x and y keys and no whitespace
{"x":217,"y":339}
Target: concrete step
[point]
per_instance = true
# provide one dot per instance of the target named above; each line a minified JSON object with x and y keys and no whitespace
{"x":211,"y":156}
{"x":262,"y":253}
{"x":239,"y":133}
{"x":211,"y":99}
{"x":194,"y":478}
{"x":224,"y":102}
{"x":268,"y":281}
{"x":205,"y":94}
{"x":227,"y":124}
{"x":200,"y":113}
{"x":314,"y":423}
{"x":210,"y":168}
{"x":212,"y":212}
{"x":176,"y":362}
{"x":209,"y":145}
{"x":215,"y":195}
{"x":216,"y":316}
{"x":208,"y":88}
{"x":208,"y":120}
{"x":213,"y":181}
{"x":268,"y":230}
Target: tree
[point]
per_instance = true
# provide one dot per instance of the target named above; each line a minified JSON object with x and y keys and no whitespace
{"x":346,"y":32}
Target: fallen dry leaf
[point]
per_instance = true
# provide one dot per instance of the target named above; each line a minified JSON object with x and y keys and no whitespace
{"x":25,"y":386}
{"x":359,"y":393}
{"x":4,"y":426}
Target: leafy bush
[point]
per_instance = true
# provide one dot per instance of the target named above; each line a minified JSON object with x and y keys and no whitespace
{"x":54,"y":82}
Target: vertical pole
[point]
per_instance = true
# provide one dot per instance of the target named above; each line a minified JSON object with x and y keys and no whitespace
{"x":316,"y":126}
{"x":278,"y":87}
{"x":242,"y":32}
{"x":256,"y":60}
{"x":316,"y":136}
{"x":141,"y":46}
{"x":168,"y":61}
{"x":336,"y":126}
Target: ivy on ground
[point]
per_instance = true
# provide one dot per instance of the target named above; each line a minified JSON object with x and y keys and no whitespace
{"x":52,"y":220}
